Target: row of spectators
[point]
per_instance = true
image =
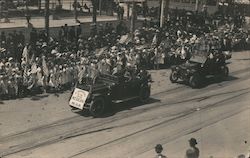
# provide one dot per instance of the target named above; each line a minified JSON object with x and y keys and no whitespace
{"x":58,"y":63}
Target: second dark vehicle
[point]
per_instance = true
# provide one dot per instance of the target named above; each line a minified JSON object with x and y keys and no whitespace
{"x":199,"y":67}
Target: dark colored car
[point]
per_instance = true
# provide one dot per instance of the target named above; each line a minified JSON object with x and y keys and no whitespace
{"x":108,"y":89}
{"x":199,"y":67}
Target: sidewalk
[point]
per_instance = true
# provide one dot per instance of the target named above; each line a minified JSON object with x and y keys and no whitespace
{"x":39,"y":22}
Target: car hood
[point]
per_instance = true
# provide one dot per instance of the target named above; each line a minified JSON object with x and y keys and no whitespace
{"x":189,"y":65}
{"x":94,"y":87}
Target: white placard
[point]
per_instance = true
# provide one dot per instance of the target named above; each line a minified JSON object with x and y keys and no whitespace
{"x":78,"y":98}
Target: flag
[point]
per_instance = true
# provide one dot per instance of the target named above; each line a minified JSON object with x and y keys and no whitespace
{"x":45,"y":67}
{"x":154,"y":41}
{"x":25,"y":54}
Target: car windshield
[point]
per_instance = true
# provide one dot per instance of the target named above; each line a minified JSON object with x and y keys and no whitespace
{"x":107,"y":78}
{"x":199,"y":54}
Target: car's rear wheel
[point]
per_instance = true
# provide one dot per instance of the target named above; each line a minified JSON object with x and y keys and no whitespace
{"x":173,"y":76}
{"x":97,"y":107}
{"x":144,"y":94}
{"x":194,"y":81}
{"x":225,"y":71}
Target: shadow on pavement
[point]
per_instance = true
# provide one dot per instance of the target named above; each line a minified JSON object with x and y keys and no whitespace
{"x":115,"y":108}
{"x":216,"y":80}
{"x":241,"y":156}
{"x":210,"y":81}
{"x":243,"y":59}
{"x":39,"y":97}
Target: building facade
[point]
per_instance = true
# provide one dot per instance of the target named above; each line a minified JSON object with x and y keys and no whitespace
{"x":210,"y":5}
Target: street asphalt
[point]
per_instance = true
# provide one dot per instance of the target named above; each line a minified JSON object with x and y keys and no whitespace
{"x":217,"y":115}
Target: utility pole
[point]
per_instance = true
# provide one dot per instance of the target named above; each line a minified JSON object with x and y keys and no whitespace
{"x":162,"y":13}
{"x":196,"y":5}
{"x":132,"y":26}
{"x":39,"y":4}
{"x":94,"y":4}
{"x":100,"y":7}
{"x":128,"y":9}
{"x":47,"y":18}
{"x":75,"y":10}
{"x":164,"y":10}
{"x":6,"y":12}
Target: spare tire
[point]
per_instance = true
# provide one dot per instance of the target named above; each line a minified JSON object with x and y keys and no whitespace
{"x":173,"y":76}
{"x":194,"y":80}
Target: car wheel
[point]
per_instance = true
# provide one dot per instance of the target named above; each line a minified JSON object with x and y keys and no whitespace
{"x":97,"y":107}
{"x":225,"y":71}
{"x":173,"y":76}
{"x":144,"y":94}
{"x":194,"y":81}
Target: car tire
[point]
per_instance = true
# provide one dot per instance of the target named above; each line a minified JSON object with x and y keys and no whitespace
{"x":194,"y":81}
{"x":225,"y":71}
{"x":97,"y":107}
{"x":173,"y":76}
{"x":144,"y":94}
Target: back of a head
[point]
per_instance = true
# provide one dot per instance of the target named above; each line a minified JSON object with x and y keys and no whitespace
{"x":158,"y":148}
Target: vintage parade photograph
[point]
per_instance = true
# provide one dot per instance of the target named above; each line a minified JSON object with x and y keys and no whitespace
{"x":124,"y":78}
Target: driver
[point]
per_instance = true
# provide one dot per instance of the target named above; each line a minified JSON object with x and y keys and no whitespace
{"x":127,"y":76}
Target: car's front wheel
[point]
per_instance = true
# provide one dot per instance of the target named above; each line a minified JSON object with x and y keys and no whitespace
{"x":194,"y":81}
{"x":144,"y":94}
{"x":97,"y":107}
{"x":173,"y":76}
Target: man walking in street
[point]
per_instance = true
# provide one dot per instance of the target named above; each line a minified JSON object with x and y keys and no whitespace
{"x":193,"y":151}
{"x":158,"y":150}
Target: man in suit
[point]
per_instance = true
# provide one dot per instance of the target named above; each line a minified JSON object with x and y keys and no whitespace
{"x":158,"y":150}
{"x":193,"y":151}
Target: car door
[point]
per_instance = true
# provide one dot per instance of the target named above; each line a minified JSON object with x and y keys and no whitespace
{"x":118,"y":90}
{"x":132,"y":87}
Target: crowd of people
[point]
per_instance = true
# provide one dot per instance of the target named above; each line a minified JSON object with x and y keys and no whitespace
{"x":191,"y":152}
{"x":54,"y":64}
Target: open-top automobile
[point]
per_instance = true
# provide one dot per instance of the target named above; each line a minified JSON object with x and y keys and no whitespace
{"x":98,"y":95}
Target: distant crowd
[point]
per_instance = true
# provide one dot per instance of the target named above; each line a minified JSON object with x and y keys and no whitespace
{"x":55,"y":64}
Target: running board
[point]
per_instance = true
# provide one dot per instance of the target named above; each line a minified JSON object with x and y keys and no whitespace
{"x":124,"y":100}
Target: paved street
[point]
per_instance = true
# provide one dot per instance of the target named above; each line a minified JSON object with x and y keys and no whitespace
{"x":217,"y":115}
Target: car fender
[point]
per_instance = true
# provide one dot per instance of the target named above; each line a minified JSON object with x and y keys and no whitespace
{"x":175,"y":68}
{"x":96,"y":95}
{"x":192,"y":72}
{"x":106,"y":97}
{"x":146,"y":85}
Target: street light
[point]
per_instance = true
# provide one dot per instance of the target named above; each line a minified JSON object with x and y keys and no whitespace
{"x":132,"y":28}
{"x":164,"y":6}
{"x":47,"y":18}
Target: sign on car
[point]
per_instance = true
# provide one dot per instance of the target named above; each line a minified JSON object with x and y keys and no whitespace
{"x":78,"y":98}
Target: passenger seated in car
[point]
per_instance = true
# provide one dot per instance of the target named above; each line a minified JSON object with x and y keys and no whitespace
{"x":128,"y":75}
